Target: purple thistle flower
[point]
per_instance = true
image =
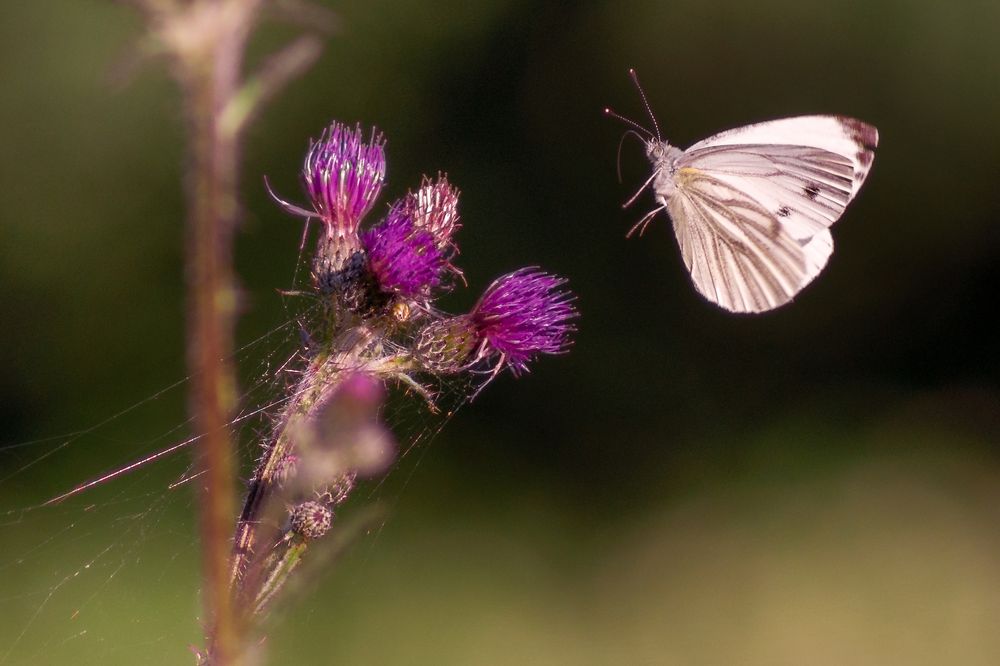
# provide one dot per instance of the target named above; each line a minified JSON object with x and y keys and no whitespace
{"x":520,"y":315}
{"x":343,"y":176}
{"x":404,"y":258}
{"x":434,"y":207}
{"x":523,"y":314}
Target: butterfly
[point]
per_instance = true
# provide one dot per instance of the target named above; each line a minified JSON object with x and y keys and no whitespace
{"x":752,"y":207}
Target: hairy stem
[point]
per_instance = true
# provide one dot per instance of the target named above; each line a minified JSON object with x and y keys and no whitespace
{"x":322,"y":377}
{"x":209,"y":39}
{"x":211,"y":299}
{"x":205,"y":41}
{"x":279,"y":573}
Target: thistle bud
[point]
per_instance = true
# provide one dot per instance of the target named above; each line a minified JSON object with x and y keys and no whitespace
{"x":311,"y":520}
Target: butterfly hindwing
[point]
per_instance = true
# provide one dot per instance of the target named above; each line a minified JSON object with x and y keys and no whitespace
{"x":736,"y":250}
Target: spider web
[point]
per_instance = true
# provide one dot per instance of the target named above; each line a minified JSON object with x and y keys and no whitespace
{"x":107,"y":569}
{"x":110,"y":573}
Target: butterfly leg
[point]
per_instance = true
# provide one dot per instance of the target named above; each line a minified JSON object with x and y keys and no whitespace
{"x":635,"y":196}
{"x":644,"y":222}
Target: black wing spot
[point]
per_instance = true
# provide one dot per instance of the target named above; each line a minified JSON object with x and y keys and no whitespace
{"x":812,"y":191}
{"x":784,"y":211}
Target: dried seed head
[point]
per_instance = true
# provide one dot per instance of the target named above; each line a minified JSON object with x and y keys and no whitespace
{"x":311,"y":520}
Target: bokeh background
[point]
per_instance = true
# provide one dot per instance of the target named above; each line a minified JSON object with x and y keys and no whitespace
{"x":817,"y":485}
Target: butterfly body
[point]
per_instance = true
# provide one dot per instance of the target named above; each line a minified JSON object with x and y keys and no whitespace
{"x":664,"y":159}
{"x":752,"y":207}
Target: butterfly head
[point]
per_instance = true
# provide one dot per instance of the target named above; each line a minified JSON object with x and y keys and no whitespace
{"x":664,"y":158}
{"x":661,"y":153}
{"x":655,"y":150}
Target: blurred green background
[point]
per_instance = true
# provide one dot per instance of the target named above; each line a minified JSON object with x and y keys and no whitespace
{"x":817,"y":485}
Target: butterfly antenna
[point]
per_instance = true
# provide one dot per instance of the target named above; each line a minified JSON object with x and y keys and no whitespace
{"x":628,"y":121}
{"x":642,"y":93}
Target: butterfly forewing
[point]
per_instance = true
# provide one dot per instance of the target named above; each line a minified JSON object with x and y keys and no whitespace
{"x":806,"y":187}
{"x":850,"y":138}
{"x":752,"y":206}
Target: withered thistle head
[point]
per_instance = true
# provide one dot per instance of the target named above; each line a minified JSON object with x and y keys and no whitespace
{"x":434,"y":207}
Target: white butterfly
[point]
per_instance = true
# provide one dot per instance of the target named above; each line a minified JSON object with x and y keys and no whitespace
{"x":752,"y":207}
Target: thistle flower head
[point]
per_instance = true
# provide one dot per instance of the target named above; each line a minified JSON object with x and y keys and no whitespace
{"x":343,"y":176}
{"x":404,"y":258}
{"x":434,"y":207}
{"x":520,"y":315}
{"x":523,"y":314}
{"x":362,"y":336}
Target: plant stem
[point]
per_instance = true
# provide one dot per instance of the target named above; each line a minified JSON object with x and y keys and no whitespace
{"x":279,"y":573}
{"x":206,"y":41}
{"x":212,"y":299}
{"x":210,"y":78}
{"x":322,"y":377}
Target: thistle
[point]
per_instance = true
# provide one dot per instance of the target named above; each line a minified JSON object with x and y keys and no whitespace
{"x":404,"y":258}
{"x":434,"y":207}
{"x":378,"y":326}
{"x":342,"y":175}
{"x":520,"y":315}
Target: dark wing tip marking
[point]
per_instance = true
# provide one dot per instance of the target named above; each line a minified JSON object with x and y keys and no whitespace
{"x":865,"y":137}
{"x":861,"y":132}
